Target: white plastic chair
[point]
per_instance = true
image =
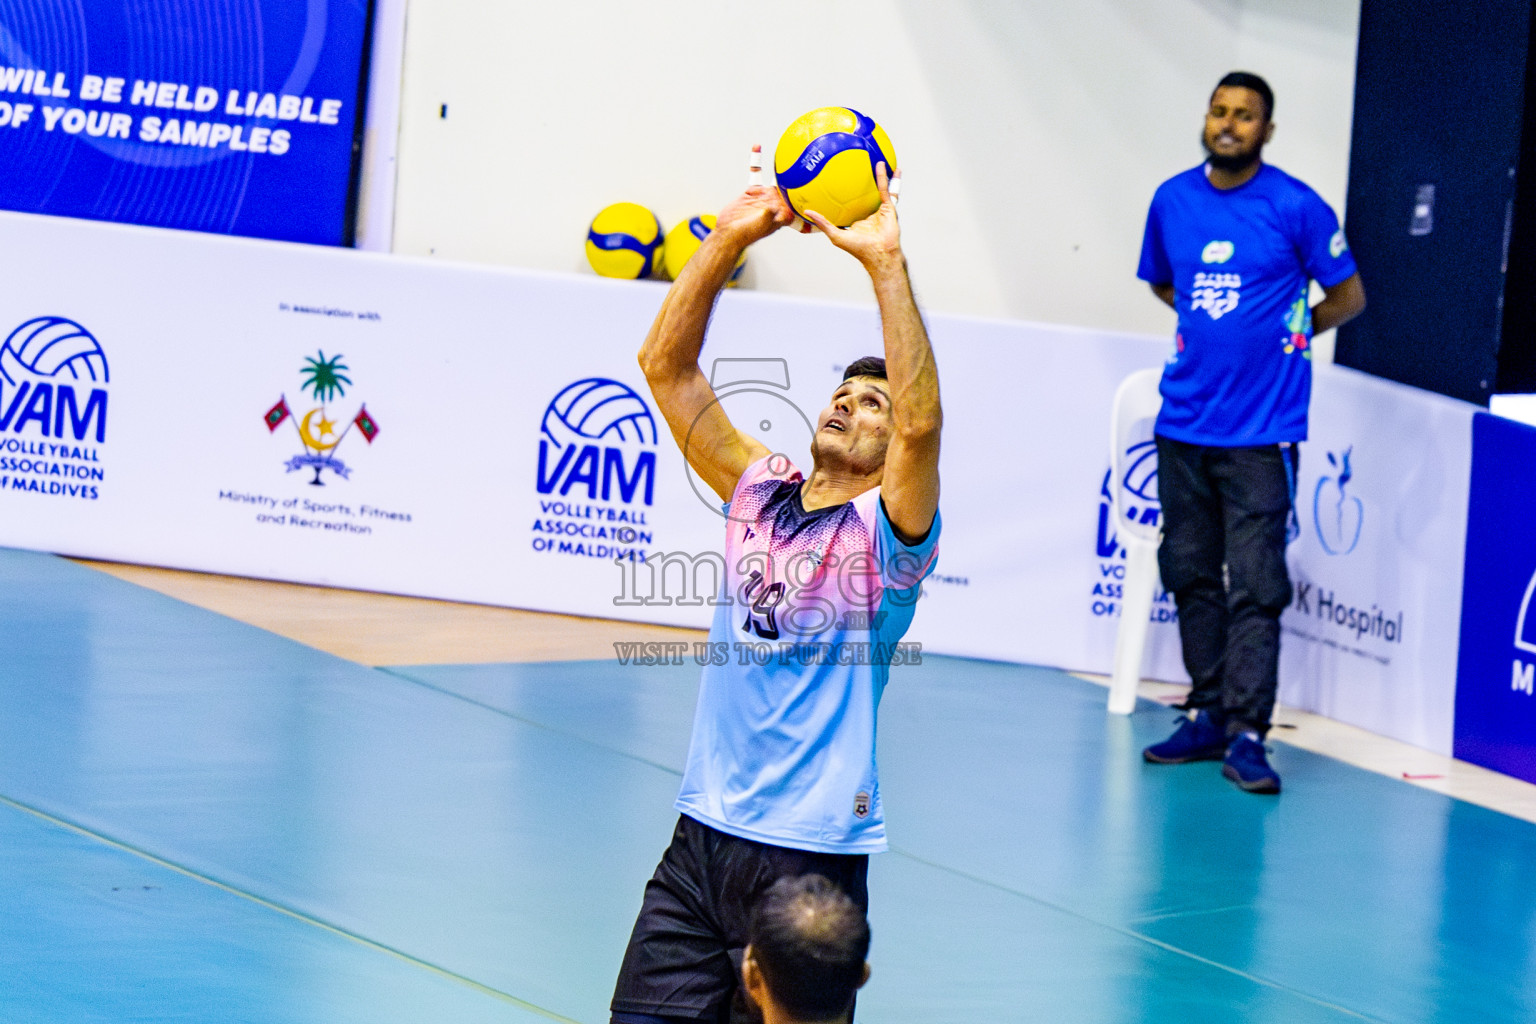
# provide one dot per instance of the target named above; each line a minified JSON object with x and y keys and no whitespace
{"x":1137,"y":402}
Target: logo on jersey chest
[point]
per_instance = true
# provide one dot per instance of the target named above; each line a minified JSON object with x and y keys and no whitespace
{"x":1217,"y":294}
{"x":1217,"y":252}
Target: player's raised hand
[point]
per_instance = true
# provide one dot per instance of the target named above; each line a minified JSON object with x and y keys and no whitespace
{"x":756,"y":213}
{"x":876,"y":238}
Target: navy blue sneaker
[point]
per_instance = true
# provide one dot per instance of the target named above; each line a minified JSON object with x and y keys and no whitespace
{"x":1198,"y":738}
{"x":1246,"y":766}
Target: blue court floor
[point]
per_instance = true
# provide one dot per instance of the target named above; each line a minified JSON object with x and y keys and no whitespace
{"x":202,"y":821}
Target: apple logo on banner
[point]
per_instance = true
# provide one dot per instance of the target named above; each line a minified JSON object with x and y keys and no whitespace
{"x":1338,"y":515}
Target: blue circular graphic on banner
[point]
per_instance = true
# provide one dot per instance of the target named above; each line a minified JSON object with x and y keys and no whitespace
{"x":53,"y":346}
{"x":598,"y":408}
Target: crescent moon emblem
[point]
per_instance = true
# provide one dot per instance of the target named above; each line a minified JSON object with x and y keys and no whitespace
{"x":309,"y":438}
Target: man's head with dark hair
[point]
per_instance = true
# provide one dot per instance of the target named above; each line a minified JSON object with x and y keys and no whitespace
{"x":865,"y":366}
{"x":806,"y":951}
{"x":854,"y":430}
{"x":1237,"y":124}
{"x":1249,"y":80}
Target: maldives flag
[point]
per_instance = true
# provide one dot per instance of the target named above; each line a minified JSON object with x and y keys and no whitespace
{"x":277,"y":414}
{"x":366,"y":424}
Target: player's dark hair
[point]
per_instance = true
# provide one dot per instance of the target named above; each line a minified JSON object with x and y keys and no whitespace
{"x":865,"y":366}
{"x":1249,"y":80}
{"x":810,"y":940}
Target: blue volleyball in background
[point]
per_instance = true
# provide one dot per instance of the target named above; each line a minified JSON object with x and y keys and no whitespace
{"x":684,"y":240}
{"x":624,"y":240}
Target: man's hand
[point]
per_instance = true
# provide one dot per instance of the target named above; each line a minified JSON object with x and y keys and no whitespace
{"x":756,"y":213}
{"x":874,"y":241}
{"x":1341,"y":304}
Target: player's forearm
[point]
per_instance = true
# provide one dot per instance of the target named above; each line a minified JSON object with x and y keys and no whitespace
{"x":1341,"y":304}
{"x":677,"y":335}
{"x":911,"y":374}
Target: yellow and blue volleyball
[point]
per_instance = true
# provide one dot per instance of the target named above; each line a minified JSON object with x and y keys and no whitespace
{"x":624,"y":241}
{"x":825,"y":161}
{"x":684,"y":240}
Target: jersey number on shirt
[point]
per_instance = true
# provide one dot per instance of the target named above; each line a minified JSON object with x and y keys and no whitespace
{"x":760,"y":618}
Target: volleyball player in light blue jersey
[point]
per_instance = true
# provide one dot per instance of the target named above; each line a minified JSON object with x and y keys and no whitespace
{"x":783,"y":744}
{"x":822,"y":572}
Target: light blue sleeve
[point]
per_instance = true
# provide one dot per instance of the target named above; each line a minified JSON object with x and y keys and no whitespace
{"x":904,"y":566}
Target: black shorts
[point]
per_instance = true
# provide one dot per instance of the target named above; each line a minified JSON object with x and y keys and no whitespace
{"x":684,"y":957}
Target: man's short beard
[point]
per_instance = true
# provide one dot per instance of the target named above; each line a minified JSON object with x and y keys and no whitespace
{"x":1235,"y":162}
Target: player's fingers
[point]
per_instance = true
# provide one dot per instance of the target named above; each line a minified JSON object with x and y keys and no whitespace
{"x":821,"y":222}
{"x":755,"y":167}
{"x":894,"y":190}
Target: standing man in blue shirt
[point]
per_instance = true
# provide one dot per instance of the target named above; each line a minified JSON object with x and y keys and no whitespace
{"x":1233,"y":246}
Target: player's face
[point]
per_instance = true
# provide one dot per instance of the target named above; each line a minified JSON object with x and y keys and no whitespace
{"x":1236,"y":127}
{"x":856,"y":428}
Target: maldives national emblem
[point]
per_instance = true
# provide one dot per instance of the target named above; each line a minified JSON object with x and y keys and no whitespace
{"x":325,"y":382}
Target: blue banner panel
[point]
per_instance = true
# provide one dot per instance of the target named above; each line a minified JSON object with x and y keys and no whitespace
{"x":232,"y":116}
{"x":1495,"y":688}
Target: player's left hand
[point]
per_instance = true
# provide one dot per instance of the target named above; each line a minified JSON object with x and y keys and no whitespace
{"x":876,"y":239}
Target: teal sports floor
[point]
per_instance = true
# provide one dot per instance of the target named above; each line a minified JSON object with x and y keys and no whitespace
{"x":202,"y":821}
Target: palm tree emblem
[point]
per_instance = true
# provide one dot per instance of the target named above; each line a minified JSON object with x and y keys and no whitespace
{"x":326,"y":381}
{"x":323,"y":377}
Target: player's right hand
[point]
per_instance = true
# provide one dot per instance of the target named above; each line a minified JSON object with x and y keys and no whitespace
{"x":874,"y":241}
{"x":756,"y":213}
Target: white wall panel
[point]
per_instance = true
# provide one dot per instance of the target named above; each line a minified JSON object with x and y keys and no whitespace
{"x":189,"y":339}
{"x":1031,"y":134}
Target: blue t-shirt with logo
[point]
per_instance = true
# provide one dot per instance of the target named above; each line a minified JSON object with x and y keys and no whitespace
{"x":1240,"y":261}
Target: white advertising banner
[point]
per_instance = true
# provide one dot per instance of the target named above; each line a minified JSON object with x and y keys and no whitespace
{"x":1371,"y":635}
{"x":483,"y":434}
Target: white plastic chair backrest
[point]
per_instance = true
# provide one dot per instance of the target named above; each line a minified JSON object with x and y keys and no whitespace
{"x":1133,"y":455}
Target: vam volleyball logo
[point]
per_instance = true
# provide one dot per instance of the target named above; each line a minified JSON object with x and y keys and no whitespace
{"x":53,"y":409}
{"x":596,"y":476}
{"x":1143,"y":516}
{"x":1138,"y":496}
